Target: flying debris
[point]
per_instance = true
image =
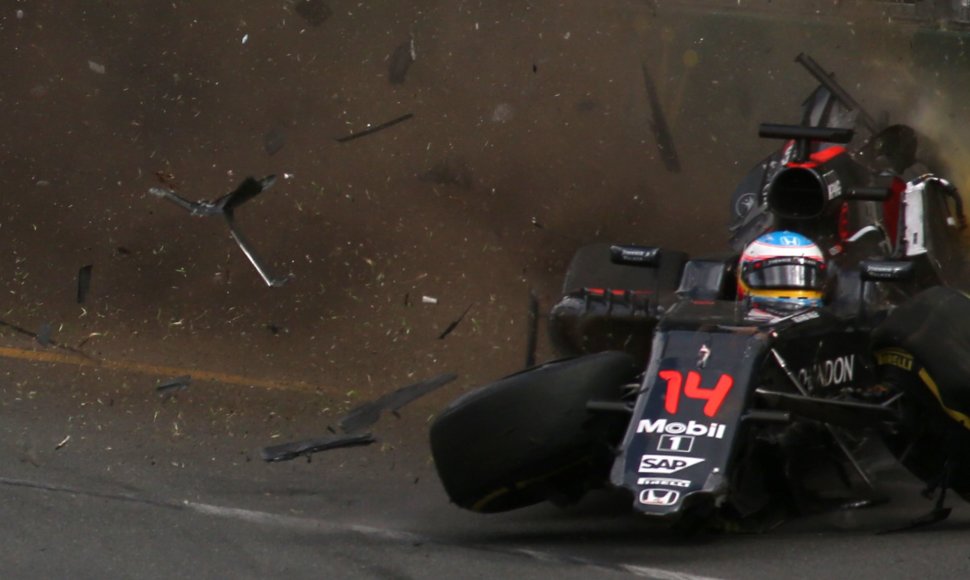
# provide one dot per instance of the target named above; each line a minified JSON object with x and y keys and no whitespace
{"x":225,"y":206}
{"x":533,"y":337}
{"x":450,"y":171}
{"x":375,"y":128}
{"x":368,"y":413}
{"x":44,"y":334}
{"x":177,"y":384}
{"x":454,"y":323}
{"x":83,"y":282}
{"x":307,"y":447}
{"x":661,"y":131}
{"x":315,"y":12}
{"x":273,"y":141}
{"x":400,"y":62}
{"x":43,"y":337}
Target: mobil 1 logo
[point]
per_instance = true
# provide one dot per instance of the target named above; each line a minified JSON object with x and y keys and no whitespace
{"x":675,"y":443}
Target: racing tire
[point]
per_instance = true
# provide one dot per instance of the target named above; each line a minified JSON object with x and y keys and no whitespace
{"x":923,"y":350}
{"x":529,"y":437}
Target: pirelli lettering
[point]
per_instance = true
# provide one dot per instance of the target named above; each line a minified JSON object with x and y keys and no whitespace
{"x":895,"y":357}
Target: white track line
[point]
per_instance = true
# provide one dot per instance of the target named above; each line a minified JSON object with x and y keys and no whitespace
{"x":315,"y":525}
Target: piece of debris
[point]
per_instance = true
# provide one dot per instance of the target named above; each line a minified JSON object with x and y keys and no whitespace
{"x":83,"y":282}
{"x":44,"y":334}
{"x":273,"y":141}
{"x":315,"y":12}
{"x":89,"y":337}
{"x":96,"y":67}
{"x":454,"y":324}
{"x":400,"y":62}
{"x":226,"y":206}
{"x":177,"y":384}
{"x":375,"y":128}
{"x":367,"y":414}
{"x":661,"y":131}
{"x":451,"y":171}
{"x":306,"y":447}
{"x":62,"y":443}
{"x":18,"y":329}
{"x":429,"y":300}
{"x":533,"y":336}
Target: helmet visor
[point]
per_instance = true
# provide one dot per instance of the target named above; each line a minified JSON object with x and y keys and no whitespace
{"x":784,"y":272}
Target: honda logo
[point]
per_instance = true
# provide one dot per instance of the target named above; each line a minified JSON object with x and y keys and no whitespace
{"x":654,"y":496}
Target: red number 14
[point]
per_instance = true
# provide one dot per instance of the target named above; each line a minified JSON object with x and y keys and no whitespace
{"x":692,"y":390}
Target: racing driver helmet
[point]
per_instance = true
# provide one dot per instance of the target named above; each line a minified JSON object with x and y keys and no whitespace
{"x":782,"y":272}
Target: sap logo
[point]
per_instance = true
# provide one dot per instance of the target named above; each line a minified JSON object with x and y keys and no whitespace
{"x":655,"y":496}
{"x":835,"y":371}
{"x":664,"y":481}
{"x":666,"y":464}
{"x":715,"y":430}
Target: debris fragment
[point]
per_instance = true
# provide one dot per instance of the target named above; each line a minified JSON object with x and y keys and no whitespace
{"x":83,"y":282}
{"x":400,"y":62}
{"x":89,"y":337}
{"x":375,"y":128}
{"x":44,"y":334}
{"x":661,"y":131}
{"x":62,"y":443}
{"x":367,"y":414}
{"x":315,"y":12}
{"x":429,"y":300}
{"x":18,"y":329}
{"x":451,"y":171}
{"x":226,"y":206}
{"x":177,"y":384}
{"x":454,"y":324}
{"x":273,"y":141}
{"x":533,"y":337}
{"x":306,"y":447}
{"x":96,"y":67}
{"x":245,"y":38}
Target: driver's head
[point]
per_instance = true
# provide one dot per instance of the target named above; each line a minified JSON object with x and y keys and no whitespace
{"x":782,"y":272}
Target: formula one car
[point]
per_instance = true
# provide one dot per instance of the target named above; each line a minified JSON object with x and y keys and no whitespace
{"x":750,"y":386}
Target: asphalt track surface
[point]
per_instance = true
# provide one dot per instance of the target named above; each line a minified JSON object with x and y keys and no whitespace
{"x":529,"y":136}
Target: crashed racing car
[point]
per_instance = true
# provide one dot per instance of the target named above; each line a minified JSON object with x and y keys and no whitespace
{"x":751,"y":385}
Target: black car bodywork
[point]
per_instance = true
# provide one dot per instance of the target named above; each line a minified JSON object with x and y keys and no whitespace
{"x":676,"y":392}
